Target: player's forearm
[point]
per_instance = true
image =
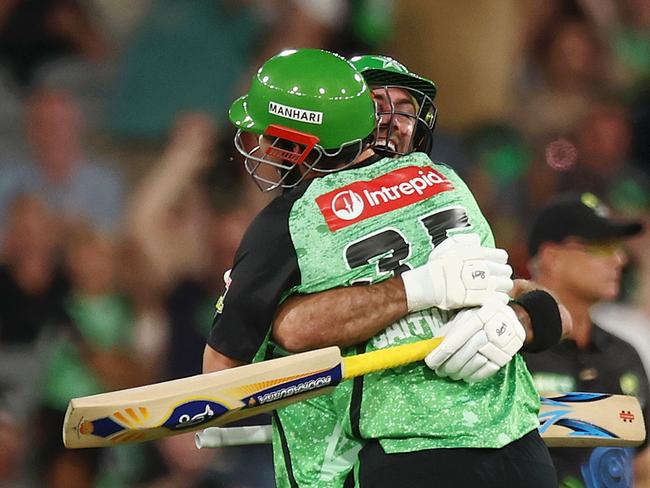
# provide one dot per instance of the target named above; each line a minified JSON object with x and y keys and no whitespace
{"x":342,"y":316}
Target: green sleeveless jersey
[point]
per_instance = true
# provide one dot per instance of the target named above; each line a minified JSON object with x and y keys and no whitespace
{"x":319,"y":452}
{"x":365,"y":225}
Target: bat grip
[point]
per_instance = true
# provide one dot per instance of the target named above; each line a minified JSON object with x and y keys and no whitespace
{"x":371,"y":362}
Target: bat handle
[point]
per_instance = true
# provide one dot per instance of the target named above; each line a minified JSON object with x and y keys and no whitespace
{"x":370,"y":362}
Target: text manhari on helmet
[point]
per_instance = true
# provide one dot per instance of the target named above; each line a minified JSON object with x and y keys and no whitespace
{"x":385,"y":72}
{"x":313,"y":105}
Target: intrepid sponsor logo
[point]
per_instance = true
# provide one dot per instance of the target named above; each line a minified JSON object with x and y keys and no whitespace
{"x":347,"y":205}
{"x":295,"y":390}
{"x":364,"y":199}
{"x":295,"y":113}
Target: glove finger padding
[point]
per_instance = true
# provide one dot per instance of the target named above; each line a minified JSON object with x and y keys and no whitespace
{"x":505,"y":336}
{"x":481,"y":296}
{"x":489,"y":369}
{"x":459,"y":273}
{"x":461,"y":328}
{"x":463,"y":355}
{"x":475,"y":274}
{"x":495,"y":255}
{"x":470,"y":369}
{"x":499,"y":269}
{"x":502,"y":284}
{"x":478,"y":343}
{"x":483,"y":275}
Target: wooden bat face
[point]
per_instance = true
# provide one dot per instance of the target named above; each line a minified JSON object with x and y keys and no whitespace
{"x":153,"y":411}
{"x":588,"y":419}
{"x":566,"y":420}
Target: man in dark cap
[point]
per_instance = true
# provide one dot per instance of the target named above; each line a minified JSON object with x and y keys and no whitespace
{"x":576,"y":252}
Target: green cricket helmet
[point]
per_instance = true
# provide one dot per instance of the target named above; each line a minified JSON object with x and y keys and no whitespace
{"x":383,"y":73}
{"x":307,"y":106}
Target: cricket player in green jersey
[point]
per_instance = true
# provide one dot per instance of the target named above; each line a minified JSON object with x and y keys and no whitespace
{"x":406,"y":116}
{"x":366,"y":220}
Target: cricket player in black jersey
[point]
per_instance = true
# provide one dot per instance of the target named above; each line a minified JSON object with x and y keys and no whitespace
{"x":365,"y":220}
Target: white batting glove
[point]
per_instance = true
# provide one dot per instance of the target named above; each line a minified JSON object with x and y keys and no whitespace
{"x":460,"y":273}
{"x":479,"y":342}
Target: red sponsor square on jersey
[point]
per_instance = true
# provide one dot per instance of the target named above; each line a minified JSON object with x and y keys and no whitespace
{"x":364,"y":199}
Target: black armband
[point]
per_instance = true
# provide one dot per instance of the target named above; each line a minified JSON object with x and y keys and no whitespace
{"x":544,"y":318}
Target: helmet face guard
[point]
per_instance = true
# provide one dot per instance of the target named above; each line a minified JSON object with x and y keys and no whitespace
{"x":383,"y":72}
{"x":423,"y":120}
{"x":283,"y":157}
{"x":312,"y":112}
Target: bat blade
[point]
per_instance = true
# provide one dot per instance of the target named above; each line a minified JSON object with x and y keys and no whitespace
{"x":591,"y":419}
{"x":163,"y":409}
{"x":173,"y":407}
{"x":566,"y":420}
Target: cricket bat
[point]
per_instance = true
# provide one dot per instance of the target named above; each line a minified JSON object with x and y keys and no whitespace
{"x":173,"y":407}
{"x":566,"y":420}
{"x":591,"y":420}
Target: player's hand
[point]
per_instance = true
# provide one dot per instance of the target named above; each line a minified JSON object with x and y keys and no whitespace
{"x":460,"y":273}
{"x":478,"y":343}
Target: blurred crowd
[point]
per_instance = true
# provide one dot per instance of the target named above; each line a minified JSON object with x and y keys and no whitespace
{"x":122,"y":199}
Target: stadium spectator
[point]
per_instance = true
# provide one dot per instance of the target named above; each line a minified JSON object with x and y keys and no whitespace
{"x":32,"y":288}
{"x":199,"y":48}
{"x":73,"y":184}
{"x":571,"y":62}
{"x":94,"y":353}
{"x":603,"y":140}
{"x":32,"y":283}
{"x":188,"y":232}
{"x":35,"y":32}
{"x":501,"y":157}
{"x":576,"y":253}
